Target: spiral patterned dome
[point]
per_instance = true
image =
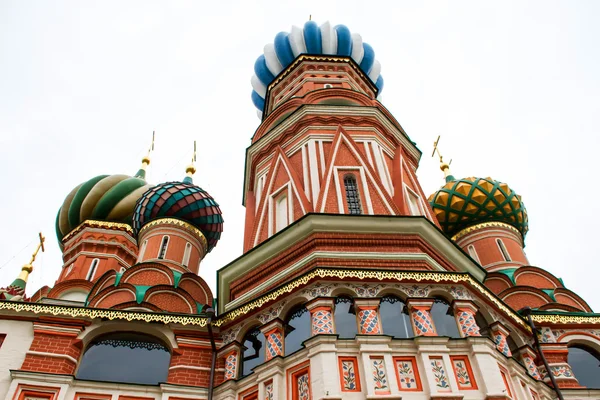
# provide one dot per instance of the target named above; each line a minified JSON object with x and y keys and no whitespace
{"x":470,"y":201}
{"x":314,"y":40}
{"x":104,"y":198}
{"x":182,"y":200}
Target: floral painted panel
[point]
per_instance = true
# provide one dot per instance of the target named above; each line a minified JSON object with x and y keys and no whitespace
{"x":408,"y":376}
{"x":463,"y":372}
{"x":439,"y":373}
{"x":303,"y":387}
{"x":350,"y":381}
{"x":379,"y":375}
{"x":269,"y":391}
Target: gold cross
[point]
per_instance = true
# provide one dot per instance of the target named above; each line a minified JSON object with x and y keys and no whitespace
{"x":39,"y":246}
{"x":436,"y":149}
{"x":151,"y":149}
{"x":194,"y":156}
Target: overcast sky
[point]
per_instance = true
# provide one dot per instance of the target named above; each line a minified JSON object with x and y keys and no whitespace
{"x":513,"y":87}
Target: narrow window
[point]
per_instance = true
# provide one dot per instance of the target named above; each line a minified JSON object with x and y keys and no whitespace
{"x":143,"y":249}
{"x":123,"y":269}
{"x":281,"y":213}
{"x":163,"y":247}
{"x":444,"y":321}
{"x":92,"y":270}
{"x":473,"y":253}
{"x":414,"y":203}
{"x":69,"y":269}
{"x":503,"y":250}
{"x":345,"y":318}
{"x":328,"y":86}
{"x":254,"y":350}
{"x":298,"y":326}
{"x":186,"y":254}
{"x":394,"y":318}
{"x":352,"y":196}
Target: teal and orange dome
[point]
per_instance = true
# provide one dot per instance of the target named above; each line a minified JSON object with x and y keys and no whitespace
{"x":462,"y":203}
{"x":184,"y":201}
{"x":109,"y":198}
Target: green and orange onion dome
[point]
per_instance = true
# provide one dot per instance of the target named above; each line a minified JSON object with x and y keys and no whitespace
{"x":184,"y":201}
{"x":109,"y":198}
{"x":462,"y":203}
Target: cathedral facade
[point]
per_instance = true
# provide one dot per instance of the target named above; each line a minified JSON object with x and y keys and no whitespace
{"x":353,"y":284}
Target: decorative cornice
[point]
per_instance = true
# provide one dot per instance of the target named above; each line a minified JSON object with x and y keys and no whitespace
{"x":106,"y":314}
{"x":493,"y":224}
{"x":179,"y":223}
{"x":565,"y":319}
{"x":91,"y":223}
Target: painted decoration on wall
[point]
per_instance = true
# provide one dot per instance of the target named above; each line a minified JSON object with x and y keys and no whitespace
{"x":269,"y":391}
{"x":369,"y":321}
{"x":274,"y":344}
{"x":467,"y":323}
{"x":379,"y":376}
{"x":531,"y":367}
{"x":230,"y":365}
{"x":463,"y":372}
{"x":407,"y":373}
{"x":322,"y":322}
{"x":422,"y":322}
{"x":534,"y":394}
{"x":502,"y":344}
{"x":439,"y":373}
{"x":349,"y":378}
{"x":302,"y":386}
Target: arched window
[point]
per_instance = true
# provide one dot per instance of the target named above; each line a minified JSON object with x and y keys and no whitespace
{"x":585,"y":363}
{"x":444,"y":321}
{"x":483,"y":325}
{"x":254,"y":350}
{"x":345,"y":318}
{"x":473,"y":253}
{"x":92,"y":270}
{"x":503,"y":250}
{"x":186,"y":254}
{"x":123,"y":269}
{"x":163,"y":247}
{"x":298,"y":326}
{"x":394,"y":320}
{"x":143,"y":249}
{"x":281,"y":213}
{"x":352,"y":195}
{"x":126,"y":357}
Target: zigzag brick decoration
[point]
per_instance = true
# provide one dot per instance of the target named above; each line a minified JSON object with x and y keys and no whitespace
{"x":500,"y":333}
{"x":368,"y":317}
{"x":464,"y":312}
{"x":231,"y":365}
{"x":273,"y":332}
{"x":421,"y":318}
{"x":321,"y":316}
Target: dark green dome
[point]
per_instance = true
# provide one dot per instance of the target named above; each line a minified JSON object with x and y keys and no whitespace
{"x":103,"y":198}
{"x":470,"y":201}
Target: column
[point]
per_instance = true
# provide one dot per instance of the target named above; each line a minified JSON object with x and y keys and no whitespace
{"x":367,"y":315}
{"x":420,"y":316}
{"x":274,"y":338}
{"x":529,"y":357}
{"x":464,"y":312}
{"x":321,"y":316}
{"x":232,"y":354}
{"x":499,"y":335}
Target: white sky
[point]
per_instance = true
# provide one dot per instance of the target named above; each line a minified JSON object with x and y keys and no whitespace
{"x":513,"y":87}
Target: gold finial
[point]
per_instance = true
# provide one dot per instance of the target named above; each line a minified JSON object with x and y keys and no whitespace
{"x":310,"y":17}
{"x":28,"y":268}
{"x":443,"y":166}
{"x":191,"y":169}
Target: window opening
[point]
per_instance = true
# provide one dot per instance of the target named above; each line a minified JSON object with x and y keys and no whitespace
{"x":443,"y":319}
{"x":503,"y":250}
{"x":186,"y":254}
{"x":328,"y":86}
{"x":92,"y":270}
{"x":163,"y":247}
{"x":352,"y":195}
{"x":473,"y":253}
{"x":394,"y":318}
{"x":297,"y":330}
{"x":414,"y":203}
{"x":585,"y":363}
{"x":345,"y":318}
{"x":143,"y":249}
{"x":254,"y":350}
{"x":281,"y":213}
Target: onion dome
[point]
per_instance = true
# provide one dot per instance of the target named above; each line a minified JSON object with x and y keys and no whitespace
{"x":109,"y":198}
{"x":315,"y":40}
{"x":182,"y":200}
{"x":466,"y":202}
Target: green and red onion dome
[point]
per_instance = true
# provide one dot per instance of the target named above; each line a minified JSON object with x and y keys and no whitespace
{"x":110,"y":198}
{"x":462,"y":203}
{"x":184,"y":201}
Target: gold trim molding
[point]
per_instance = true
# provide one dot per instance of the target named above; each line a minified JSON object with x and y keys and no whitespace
{"x":177,"y":222}
{"x":92,"y":223}
{"x":565,"y":319}
{"x":482,"y":225}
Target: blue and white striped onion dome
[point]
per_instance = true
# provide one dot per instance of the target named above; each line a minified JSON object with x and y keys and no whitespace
{"x":314,"y":40}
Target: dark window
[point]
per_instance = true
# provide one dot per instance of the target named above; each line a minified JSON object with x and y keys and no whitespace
{"x":352,"y":196}
{"x":254,"y":350}
{"x":163,"y":247}
{"x":585,"y":364}
{"x":297,"y":330}
{"x":444,"y":321}
{"x":126,"y":357}
{"x":503,"y":250}
{"x":482,"y":323}
{"x":345,"y":319}
{"x":394,"y":319}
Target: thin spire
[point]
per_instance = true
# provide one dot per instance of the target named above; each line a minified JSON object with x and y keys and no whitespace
{"x":191,"y":169}
{"x":146,"y":160}
{"x":443,"y":166}
{"x":17,"y":288}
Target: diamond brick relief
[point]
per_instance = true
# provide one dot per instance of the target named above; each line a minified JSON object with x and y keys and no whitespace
{"x":369,"y":322}
{"x":322,"y":322}
{"x":422,"y":322}
{"x":467,"y":323}
{"x":274,"y":345}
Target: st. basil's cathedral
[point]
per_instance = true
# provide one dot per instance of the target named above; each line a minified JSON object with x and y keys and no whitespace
{"x":353,"y":284}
